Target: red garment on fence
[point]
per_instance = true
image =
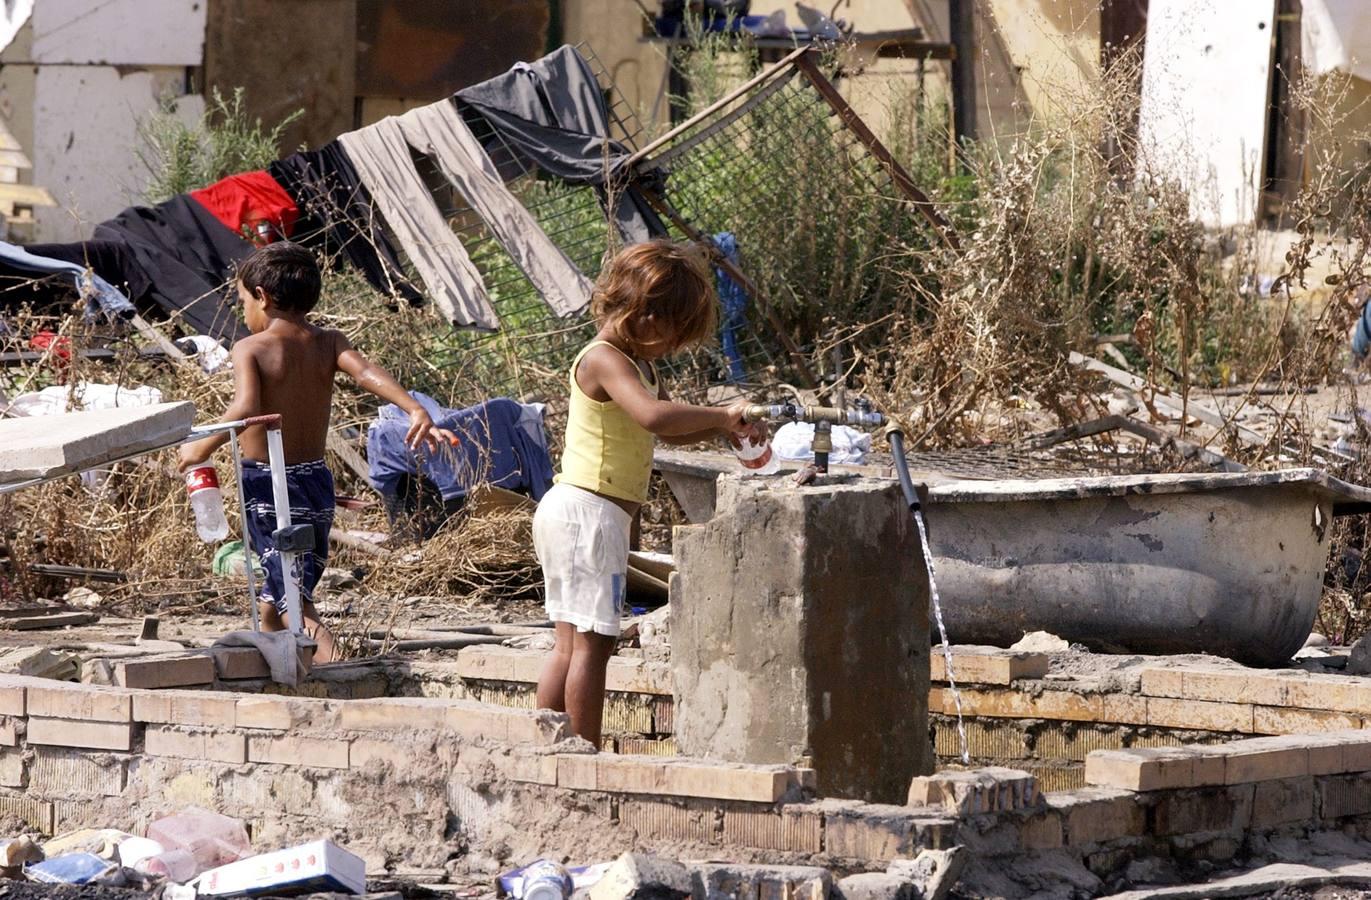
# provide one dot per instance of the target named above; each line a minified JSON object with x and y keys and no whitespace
{"x":251,"y":204}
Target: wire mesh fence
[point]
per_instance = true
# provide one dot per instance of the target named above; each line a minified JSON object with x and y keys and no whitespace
{"x":771,"y":170}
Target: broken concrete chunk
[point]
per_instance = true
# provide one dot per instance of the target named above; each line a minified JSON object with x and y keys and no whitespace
{"x":40,"y":447}
{"x":977,"y":791}
{"x":39,"y":662}
{"x":936,"y":872}
{"x":876,"y":886}
{"x":730,"y":880}
{"x":639,"y":876}
{"x":1040,"y":642}
{"x":1359,"y":660}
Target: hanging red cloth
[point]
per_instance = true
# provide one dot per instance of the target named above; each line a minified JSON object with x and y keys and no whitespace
{"x":251,"y":204}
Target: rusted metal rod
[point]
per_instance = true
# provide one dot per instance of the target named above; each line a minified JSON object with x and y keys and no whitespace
{"x":903,"y":181}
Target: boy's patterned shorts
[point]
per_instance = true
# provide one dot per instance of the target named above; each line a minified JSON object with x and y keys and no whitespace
{"x":310,"y":486}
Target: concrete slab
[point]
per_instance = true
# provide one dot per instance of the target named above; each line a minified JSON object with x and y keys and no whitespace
{"x":43,"y":446}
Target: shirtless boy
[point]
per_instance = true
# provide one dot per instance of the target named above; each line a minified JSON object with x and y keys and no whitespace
{"x":287,"y":367}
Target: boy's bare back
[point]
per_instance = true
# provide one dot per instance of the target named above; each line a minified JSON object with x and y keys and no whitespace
{"x":293,"y":366}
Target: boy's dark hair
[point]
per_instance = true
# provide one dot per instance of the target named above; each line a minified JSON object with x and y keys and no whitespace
{"x":287,"y":272}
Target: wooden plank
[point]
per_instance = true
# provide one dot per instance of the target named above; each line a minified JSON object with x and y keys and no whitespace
{"x":59,"y":620}
{"x":26,"y":194}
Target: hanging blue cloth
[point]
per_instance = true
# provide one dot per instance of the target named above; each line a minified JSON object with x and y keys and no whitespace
{"x":734,"y":301}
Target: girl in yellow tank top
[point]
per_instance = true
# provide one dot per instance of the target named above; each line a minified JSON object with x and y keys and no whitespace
{"x":653,"y":300}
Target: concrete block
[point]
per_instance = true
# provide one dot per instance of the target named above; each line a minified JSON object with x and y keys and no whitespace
{"x":292,"y":750}
{"x":1067,"y":706}
{"x":986,"y":665}
{"x":489,"y":663}
{"x":529,"y":768}
{"x":164,"y":672}
{"x":1202,"y":810}
{"x":696,"y":821}
{"x":11,"y":769}
{"x":399,"y":757}
{"x":1202,"y":715}
{"x":630,"y":774}
{"x":1162,"y":682}
{"x":75,"y":773}
{"x":64,"y":700}
{"x":722,"y":781}
{"x":49,"y":445}
{"x":1330,"y":693}
{"x":576,"y":771}
{"x":1283,"y":801}
{"x":238,"y":663}
{"x":12,"y":695}
{"x":763,"y":654}
{"x":868,"y":831}
{"x":1235,"y":686}
{"x":78,"y":733}
{"x":641,"y":876}
{"x":1123,"y":709}
{"x":227,"y":747}
{"x":1153,"y":769}
{"x":393,"y":713}
{"x":797,"y":828}
{"x":1263,"y":759}
{"x":1283,"y":720}
{"x":1041,"y":831}
{"x":283,"y":713}
{"x":206,"y":709}
{"x":876,"y":886}
{"x":1099,"y":815}
{"x":476,"y":721}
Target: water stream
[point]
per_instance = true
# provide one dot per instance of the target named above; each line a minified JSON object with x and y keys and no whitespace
{"x":942,"y":632}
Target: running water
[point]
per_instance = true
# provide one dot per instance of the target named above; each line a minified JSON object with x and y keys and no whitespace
{"x":942,"y":632}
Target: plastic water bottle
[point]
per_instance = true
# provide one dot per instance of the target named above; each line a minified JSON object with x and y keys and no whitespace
{"x":178,"y":866}
{"x":202,"y":484}
{"x":546,"y":880}
{"x":754,"y":453}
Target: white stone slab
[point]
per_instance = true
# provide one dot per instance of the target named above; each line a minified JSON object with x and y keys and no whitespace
{"x":41,"y":446}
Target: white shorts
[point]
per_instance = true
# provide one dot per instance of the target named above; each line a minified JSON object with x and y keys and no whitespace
{"x":581,"y":540}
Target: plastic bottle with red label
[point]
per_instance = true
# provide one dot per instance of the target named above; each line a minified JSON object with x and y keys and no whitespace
{"x":754,"y":452}
{"x":202,"y":484}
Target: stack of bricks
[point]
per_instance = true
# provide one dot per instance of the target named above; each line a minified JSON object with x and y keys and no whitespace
{"x":294,"y":765}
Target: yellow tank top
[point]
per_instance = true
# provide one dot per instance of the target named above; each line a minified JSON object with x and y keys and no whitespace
{"x":606,"y":451}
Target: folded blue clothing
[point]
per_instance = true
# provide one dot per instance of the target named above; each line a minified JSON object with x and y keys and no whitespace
{"x":502,"y":443}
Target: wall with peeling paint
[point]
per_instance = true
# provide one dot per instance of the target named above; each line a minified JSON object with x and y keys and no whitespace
{"x":76,"y":79}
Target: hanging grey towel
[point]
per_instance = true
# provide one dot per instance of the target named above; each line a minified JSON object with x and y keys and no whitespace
{"x":438,"y":131}
{"x":383,"y":162}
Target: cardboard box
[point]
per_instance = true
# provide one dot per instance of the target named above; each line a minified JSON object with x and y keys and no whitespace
{"x":306,"y":869}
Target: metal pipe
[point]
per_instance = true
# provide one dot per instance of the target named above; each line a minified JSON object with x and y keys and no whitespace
{"x":794,"y":412}
{"x":247,"y":545}
{"x":280,"y":494}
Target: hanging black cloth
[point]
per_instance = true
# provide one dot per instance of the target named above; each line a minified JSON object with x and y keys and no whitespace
{"x":551,"y":114}
{"x":189,"y":257}
{"x":337,"y":217}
